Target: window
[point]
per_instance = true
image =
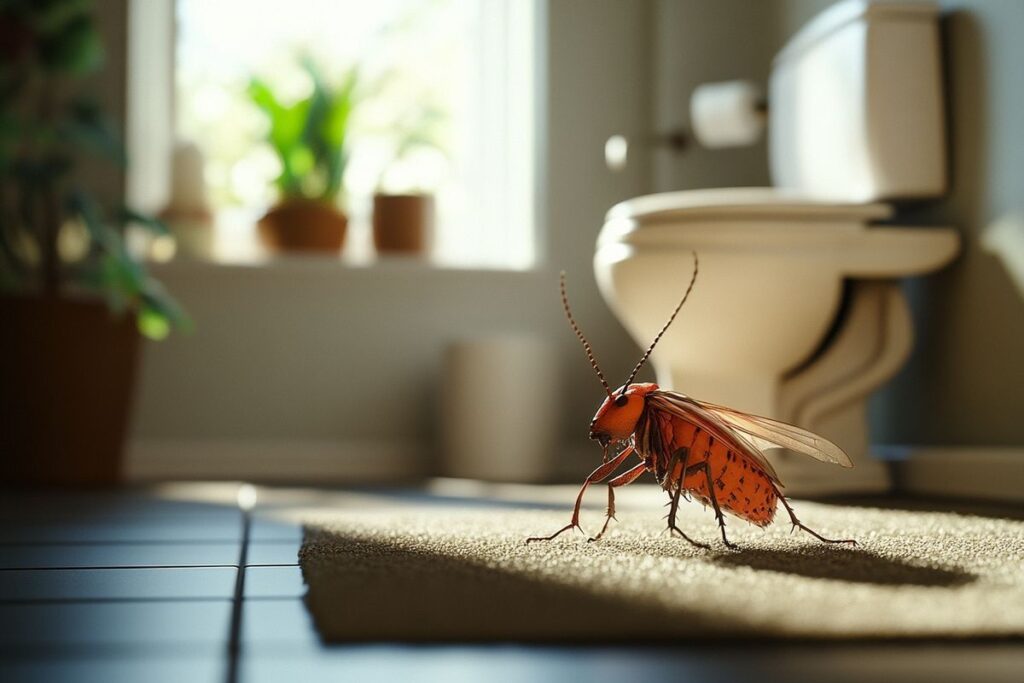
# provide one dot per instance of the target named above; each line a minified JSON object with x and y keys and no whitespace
{"x":445,"y":106}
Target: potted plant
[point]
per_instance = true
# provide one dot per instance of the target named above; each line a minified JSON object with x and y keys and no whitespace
{"x":403,"y":206}
{"x":309,"y":139}
{"x":67,"y":358}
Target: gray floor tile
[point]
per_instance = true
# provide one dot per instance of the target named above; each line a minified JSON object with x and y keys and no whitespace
{"x":131,"y":669}
{"x":273,"y":552}
{"x":275,"y":623}
{"x":118,"y":555}
{"x":714,"y":663}
{"x":34,"y":506}
{"x":264,"y":529}
{"x":274,"y":582}
{"x":194,"y":583}
{"x":167,"y":528}
{"x":84,"y":626}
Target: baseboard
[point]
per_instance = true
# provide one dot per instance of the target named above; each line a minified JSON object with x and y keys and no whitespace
{"x":307,"y":461}
{"x":980,"y":473}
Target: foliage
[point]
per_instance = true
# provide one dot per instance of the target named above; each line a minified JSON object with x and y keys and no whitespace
{"x":45,"y":126}
{"x":309,"y":135}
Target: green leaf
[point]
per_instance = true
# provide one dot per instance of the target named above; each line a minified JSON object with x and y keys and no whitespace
{"x":50,"y":16}
{"x":152,"y":323}
{"x":75,"y":49}
{"x":88,"y":127}
{"x":113,"y":284}
{"x":261,"y":94}
{"x":309,"y":135}
{"x":335,"y":123}
{"x":156,"y":297}
{"x":81,"y":204}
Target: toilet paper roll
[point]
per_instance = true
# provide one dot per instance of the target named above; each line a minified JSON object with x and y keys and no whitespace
{"x":727,"y":114}
{"x":500,"y":409}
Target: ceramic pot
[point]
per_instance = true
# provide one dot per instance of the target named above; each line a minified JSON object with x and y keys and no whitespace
{"x":67,"y":372}
{"x":303,"y":225}
{"x":402,"y":222}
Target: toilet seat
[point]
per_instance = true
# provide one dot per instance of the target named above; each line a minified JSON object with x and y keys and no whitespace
{"x":744,"y":202}
{"x":836,"y":235}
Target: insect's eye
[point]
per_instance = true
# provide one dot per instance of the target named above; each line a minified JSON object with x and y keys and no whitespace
{"x":621,"y":400}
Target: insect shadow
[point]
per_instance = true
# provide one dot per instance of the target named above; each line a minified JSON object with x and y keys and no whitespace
{"x":856,"y":565}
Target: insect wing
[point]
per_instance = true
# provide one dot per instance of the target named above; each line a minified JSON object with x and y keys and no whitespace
{"x":775,"y":434}
{"x":694,"y":412}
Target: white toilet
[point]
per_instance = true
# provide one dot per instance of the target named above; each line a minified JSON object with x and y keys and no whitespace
{"x":798,"y":313}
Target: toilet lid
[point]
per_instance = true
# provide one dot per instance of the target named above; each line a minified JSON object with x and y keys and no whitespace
{"x":743,"y":202}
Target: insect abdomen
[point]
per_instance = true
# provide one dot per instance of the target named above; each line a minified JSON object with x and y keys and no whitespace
{"x":741,"y":486}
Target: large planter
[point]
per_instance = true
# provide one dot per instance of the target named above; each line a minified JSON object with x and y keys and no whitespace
{"x":67,"y":371}
{"x":303,"y":225}
{"x":402,"y":222}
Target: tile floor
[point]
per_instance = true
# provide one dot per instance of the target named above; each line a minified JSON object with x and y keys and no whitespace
{"x":141,"y":586}
{"x":133,"y":586}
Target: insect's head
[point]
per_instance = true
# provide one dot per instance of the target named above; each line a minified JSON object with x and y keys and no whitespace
{"x":617,"y":417}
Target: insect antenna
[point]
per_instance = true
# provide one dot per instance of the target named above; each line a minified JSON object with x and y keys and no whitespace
{"x":647,"y":353}
{"x":579,"y":335}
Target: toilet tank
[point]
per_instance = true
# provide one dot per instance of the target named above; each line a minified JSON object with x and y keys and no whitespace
{"x":857,"y":105}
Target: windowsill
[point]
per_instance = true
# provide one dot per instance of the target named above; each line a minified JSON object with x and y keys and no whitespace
{"x":312,"y":262}
{"x":238,"y":246}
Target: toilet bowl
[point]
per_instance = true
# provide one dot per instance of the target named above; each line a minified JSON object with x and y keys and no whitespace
{"x":798,"y":313}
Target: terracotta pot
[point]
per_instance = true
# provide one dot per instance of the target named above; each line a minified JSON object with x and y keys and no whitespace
{"x":67,"y":371}
{"x":402,"y":222}
{"x":303,"y":225}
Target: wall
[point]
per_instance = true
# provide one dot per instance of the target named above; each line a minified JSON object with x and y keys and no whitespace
{"x":696,"y":42}
{"x":965,"y":381}
{"x":314,"y":353}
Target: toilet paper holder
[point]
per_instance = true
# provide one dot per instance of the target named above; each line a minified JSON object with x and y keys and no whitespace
{"x":706,"y":102}
{"x":616,"y":147}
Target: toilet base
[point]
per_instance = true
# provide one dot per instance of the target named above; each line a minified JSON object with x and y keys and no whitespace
{"x":829,"y":395}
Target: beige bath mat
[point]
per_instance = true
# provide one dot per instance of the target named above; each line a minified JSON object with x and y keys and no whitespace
{"x":463,"y":573}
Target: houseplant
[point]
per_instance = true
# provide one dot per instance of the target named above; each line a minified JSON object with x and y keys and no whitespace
{"x":403,"y":206}
{"x":67,"y":359}
{"x":308,"y":137}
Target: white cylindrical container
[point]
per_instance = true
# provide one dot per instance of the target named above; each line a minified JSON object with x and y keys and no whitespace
{"x":188,"y":213}
{"x":727,"y":114}
{"x":500,"y":409}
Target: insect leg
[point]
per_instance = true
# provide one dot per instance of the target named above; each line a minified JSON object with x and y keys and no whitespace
{"x":714,"y":501}
{"x":602,"y":472}
{"x":627,"y":477}
{"x":798,"y":524}
{"x":682,"y":454}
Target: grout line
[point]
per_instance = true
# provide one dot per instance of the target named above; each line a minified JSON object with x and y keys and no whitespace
{"x":235,"y":634}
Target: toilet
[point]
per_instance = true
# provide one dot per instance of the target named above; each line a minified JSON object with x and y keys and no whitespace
{"x":798,"y":313}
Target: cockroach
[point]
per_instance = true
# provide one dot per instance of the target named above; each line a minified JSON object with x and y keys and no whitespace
{"x":694,"y":449}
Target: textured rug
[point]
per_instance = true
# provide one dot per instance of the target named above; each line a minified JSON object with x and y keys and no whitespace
{"x":462,"y":572}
